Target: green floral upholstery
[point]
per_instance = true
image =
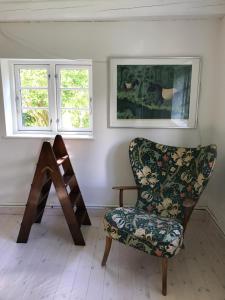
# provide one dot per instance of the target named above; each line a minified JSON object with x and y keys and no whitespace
{"x":147,"y":232}
{"x":165,"y":176}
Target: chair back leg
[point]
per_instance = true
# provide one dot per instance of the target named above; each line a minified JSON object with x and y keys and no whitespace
{"x":164,"y":275}
{"x":108,"y":243}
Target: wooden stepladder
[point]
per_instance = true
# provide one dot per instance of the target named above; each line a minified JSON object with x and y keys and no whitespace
{"x":48,"y":171}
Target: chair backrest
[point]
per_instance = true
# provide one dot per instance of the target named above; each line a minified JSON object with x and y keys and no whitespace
{"x":167,"y":175}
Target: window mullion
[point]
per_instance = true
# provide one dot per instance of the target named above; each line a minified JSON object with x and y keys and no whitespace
{"x":90,"y":96}
{"x":58,"y":97}
{"x":18,"y":99}
{"x":52,"y":98}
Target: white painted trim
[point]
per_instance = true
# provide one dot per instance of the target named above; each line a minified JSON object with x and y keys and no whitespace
{"x":95,"y":211}
{"x":58,"y":68}
{"x":49,"y":210}
{"x":51,"y":135}
{"x":7,"y":96}
{"x":219,"y":222}
{"x":19,"y":105}
{"x":13,"y":112}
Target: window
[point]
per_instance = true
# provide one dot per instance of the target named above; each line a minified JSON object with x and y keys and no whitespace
{"x":48,"y":96}
{"x":32,"y":97}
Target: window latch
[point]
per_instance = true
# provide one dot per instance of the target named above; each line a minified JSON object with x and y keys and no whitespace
{"x":91,"y":108}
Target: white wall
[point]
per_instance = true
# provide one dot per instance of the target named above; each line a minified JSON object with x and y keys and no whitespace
{"x":103,"y":162}
{"x":217,"y":187}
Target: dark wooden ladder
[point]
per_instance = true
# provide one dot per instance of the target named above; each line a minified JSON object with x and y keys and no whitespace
{"x":51,"y":160}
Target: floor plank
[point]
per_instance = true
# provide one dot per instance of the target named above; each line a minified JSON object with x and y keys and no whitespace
{"x":50,"y":266}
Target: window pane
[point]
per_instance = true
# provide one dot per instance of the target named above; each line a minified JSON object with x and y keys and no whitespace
{"x":34,"y":78}
{"x":75,"y":98}
{"x":34,"y":98}
{"x":75,"y":119}
{"x":72,"y":78}
{"x":35,"y":118}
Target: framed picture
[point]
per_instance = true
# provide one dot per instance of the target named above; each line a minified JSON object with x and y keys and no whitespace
{"x":154,"y":92}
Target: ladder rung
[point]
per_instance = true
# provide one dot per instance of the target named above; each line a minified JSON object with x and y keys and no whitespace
{"x":67,"y":178}
{"x":80,"y":214}
{"x":61,"y":160}
{"x":74,"y":197}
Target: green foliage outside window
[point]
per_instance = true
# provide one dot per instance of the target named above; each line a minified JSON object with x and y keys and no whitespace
{"x":34,"y":78}
{"x":75,"y":98}
{"x":35,"y":118}
{"x":70,"y":78}
{"x":73,"y":91}
{"x":75,"y":119}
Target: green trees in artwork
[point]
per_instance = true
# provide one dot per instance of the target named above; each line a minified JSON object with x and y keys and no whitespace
{"x":72,"y":89}
{"x":153,"y":91}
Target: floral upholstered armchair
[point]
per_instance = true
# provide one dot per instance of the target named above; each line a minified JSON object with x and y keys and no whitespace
{"x":169,"y":181}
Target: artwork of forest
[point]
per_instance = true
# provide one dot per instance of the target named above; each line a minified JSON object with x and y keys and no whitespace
{"x":153,"y":91}
{"x":73,"y":92}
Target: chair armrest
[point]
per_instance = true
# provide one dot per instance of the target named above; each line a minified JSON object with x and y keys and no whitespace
{"x":121,"y":189}
{"x":125,"y":187}
{"x":188,"y":205}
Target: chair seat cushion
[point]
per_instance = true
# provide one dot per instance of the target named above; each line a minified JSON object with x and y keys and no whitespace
{"x":135,"y":227}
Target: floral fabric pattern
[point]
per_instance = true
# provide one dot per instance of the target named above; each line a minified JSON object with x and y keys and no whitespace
{"x":168,"y":175}
{"x":165,"y":176}
{"x":152,"y":234}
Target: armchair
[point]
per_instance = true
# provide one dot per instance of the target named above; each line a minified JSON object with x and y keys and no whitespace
{"x":169,"y":181}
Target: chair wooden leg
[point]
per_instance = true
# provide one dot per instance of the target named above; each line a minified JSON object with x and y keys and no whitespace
{"x":164,"y":275}
{"x":108,"y":243}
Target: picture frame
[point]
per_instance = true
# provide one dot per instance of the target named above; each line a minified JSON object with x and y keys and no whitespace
{"x":154,"y":92}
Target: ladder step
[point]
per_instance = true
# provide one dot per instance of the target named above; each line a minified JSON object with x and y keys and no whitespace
{"x":75,"y":197}
{"x":67,"y":178}
{"x":61,"y":160}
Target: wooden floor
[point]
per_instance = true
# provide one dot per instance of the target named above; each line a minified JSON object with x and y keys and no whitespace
{"x":49,"y":266}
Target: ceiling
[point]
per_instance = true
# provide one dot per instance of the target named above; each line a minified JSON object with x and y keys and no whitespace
{"x":111,"y":10}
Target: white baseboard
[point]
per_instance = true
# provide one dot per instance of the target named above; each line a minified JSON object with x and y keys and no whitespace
{"x":97,"y":211}
{"x":49,"y":210}
{"x":219,"y":222}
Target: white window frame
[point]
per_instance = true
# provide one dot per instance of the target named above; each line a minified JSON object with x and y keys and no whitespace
{"x":12,"y":109}
{"x":58,"y":95}
{"x":18,"y":100}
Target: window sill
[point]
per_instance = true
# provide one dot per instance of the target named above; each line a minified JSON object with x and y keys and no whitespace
{"x":50,"y":136}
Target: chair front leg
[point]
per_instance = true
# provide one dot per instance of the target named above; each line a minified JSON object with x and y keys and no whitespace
{"x":108,"y":243}
{"x":164,"y":275}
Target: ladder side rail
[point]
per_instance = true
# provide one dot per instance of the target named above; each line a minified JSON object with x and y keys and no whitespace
{"x":66,"y":205}
{"x":32,"y":202}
